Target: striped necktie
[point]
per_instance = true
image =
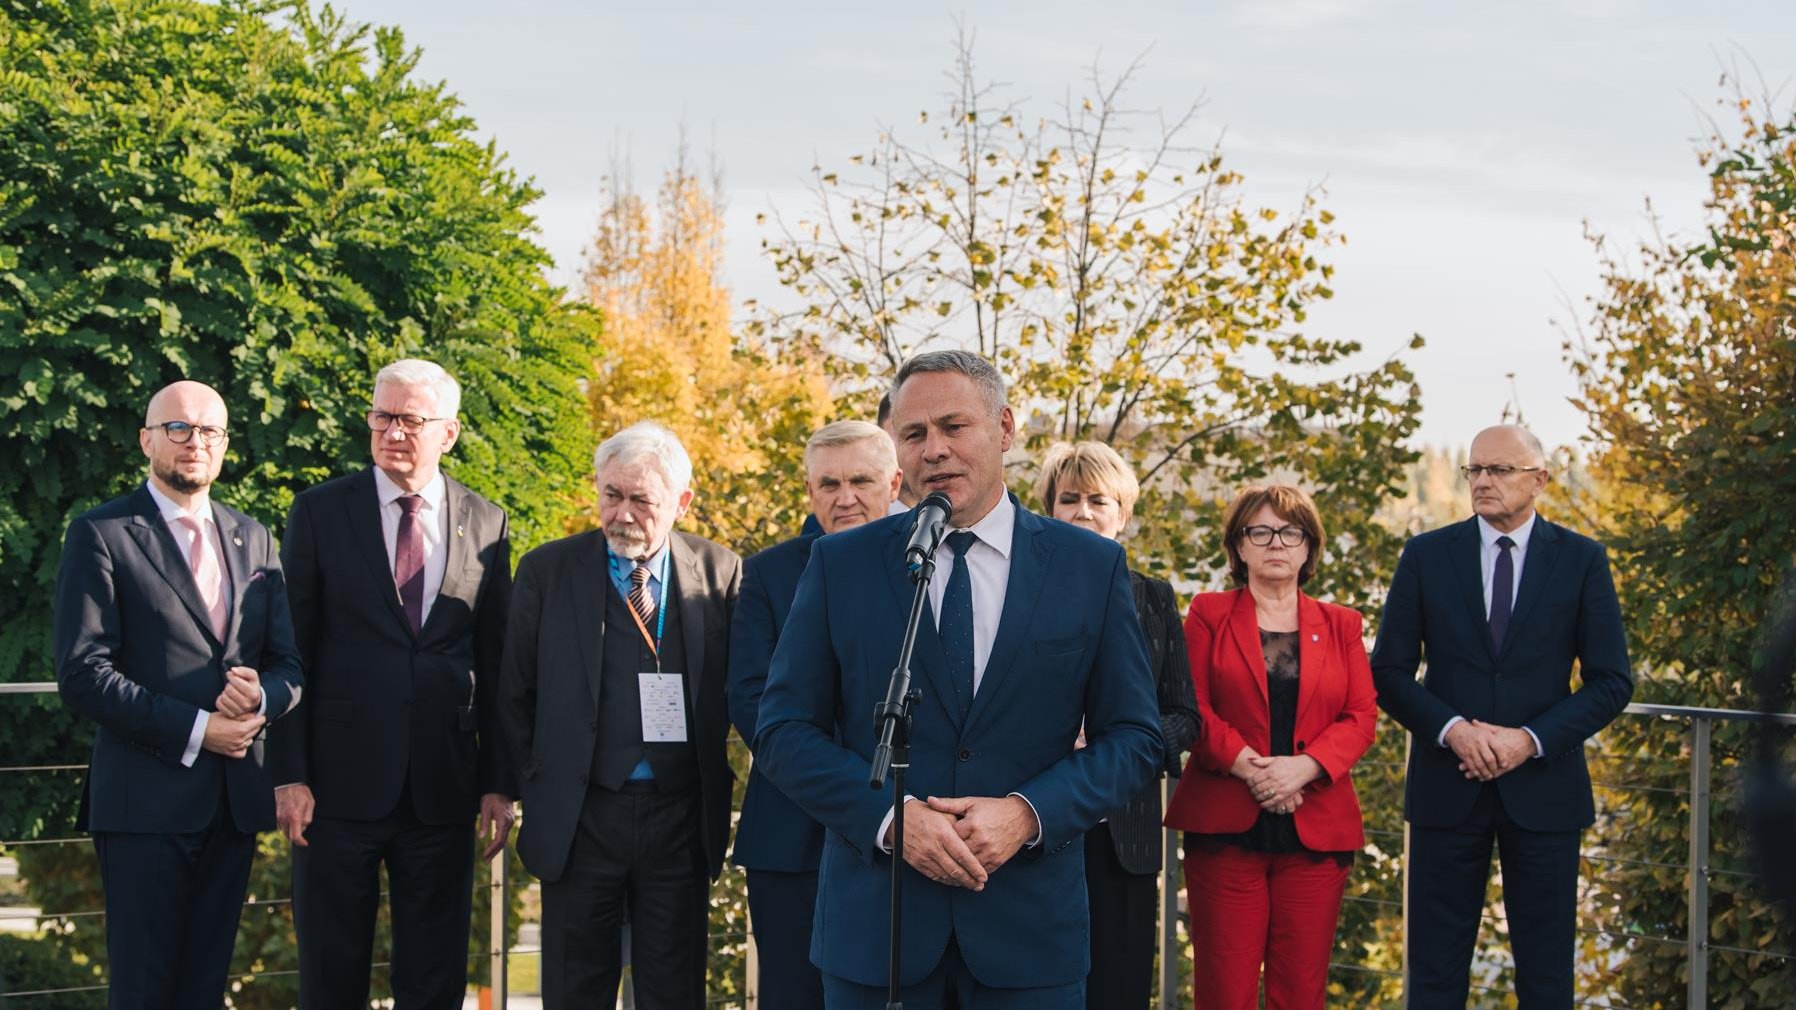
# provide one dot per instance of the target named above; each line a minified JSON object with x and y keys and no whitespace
{"x":641,"y":600}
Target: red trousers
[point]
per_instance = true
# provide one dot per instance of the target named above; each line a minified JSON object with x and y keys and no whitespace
{"x":1250,"y":909}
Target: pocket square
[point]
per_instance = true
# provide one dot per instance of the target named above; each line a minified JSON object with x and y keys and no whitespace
{"x":256,"y":576}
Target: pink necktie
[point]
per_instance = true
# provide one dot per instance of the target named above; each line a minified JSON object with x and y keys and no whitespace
{"x":206,"y":575}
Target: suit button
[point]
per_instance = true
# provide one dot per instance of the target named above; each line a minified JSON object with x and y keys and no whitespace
{"x":583,"y":778}
{"x":1300,"y":745}
{"x":593,"y":726}
{"x":965,"y":754}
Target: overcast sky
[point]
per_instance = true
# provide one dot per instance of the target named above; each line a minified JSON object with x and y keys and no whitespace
{"x":1463,"y":146}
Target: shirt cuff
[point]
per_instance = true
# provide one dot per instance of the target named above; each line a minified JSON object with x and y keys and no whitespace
{"x":880,"y":838}
{"x":195,"y":738}
{"x":1539,"y":751}
{"x":1441,"y":741}
{"x":1036,"y":841}
{"x":262,"y":706}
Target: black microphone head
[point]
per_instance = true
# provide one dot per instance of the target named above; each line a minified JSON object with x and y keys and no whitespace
{"x":936,"y":499}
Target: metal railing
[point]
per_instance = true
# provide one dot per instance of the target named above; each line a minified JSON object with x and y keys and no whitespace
{"x":1169,"y":993}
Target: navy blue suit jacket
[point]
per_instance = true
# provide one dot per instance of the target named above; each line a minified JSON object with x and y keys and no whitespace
{"x":1068,"y":650}
{"x":772,"y":832}
{"x":136,"y":654}
{"x":1565,"y":612}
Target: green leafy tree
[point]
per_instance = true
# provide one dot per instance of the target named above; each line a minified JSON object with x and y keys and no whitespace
{"x":1131,"y":294}
{"x":1686,"y":370}
{"x":267,"y":199}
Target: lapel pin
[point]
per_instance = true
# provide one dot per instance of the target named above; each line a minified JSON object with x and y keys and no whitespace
{"x":460,"y":532}
{"x":237,"y":540}
{"x":1315,"y":637}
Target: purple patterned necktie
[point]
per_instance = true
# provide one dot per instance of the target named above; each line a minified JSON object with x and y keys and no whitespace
{"x":408,"y":561}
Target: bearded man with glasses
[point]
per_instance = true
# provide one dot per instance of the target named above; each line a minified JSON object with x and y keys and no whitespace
{"x":400,"y":578}
{"x":172,"y":634}
{"x":1500,"y":606}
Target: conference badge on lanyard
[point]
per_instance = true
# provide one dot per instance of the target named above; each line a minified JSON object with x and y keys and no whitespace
{"x":663,"y":695}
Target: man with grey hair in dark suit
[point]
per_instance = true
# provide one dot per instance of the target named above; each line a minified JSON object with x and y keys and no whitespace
{"x":399,"y":577}
{"x":613,"y":701}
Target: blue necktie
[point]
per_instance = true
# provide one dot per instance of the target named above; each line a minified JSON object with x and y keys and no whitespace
{"x":1502,"y":593}
{"x":956,"y":625}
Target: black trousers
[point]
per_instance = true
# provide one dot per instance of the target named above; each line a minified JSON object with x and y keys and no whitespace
{"x":1124,"y":909}
{"x":336,"y":896}
{"x":780,"y":907}
{"x":636,"y":855}
{"x":172,"y":905}
{"x":1448,"y":873}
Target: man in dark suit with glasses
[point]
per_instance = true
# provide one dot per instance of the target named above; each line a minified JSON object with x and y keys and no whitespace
{"x":172,"y":634}
{"x":1500,"y":606}
{"x":400,"y":578}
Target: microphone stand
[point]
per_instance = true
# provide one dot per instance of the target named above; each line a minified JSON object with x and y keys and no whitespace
{"x":893,"y":754}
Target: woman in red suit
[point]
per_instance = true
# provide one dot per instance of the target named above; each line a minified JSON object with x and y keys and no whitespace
{"x":1285,"y":696}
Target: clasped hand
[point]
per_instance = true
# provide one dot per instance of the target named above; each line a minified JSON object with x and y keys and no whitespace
{"x":963,"y":840}
{"x":242,"y":694}
{"x":233,"y":726}
{"x":1486,"y":751}
{"x":1277,"y":783}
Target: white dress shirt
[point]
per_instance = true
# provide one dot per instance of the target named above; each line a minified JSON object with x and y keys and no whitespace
{"x":172,"y":514}
{"x":434,"y":520}
{"x":1487,"y":569}
{"x":896,"y":507}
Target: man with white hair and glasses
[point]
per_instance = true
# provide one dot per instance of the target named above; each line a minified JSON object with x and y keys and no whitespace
{"x":398,"y":578}
{"x":613,"y":703}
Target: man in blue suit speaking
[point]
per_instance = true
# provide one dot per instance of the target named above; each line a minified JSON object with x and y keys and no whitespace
{"x":1029,"y":634}
{"x":851,"y":475}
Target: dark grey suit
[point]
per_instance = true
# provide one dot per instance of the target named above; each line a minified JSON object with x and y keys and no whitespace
{"x":576,"y":836}
{"x":135,"y":652}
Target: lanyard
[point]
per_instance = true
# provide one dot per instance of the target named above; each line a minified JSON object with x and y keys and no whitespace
{"x":654,"y":643}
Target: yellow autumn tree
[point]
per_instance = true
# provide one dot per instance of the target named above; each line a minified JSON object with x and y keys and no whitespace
{"x":672,"y":356}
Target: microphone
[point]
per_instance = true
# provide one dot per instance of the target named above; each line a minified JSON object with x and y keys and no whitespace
{"x":932,"y":519}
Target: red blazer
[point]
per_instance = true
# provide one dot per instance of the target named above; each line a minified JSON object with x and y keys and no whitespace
{"x":1336,"y":717}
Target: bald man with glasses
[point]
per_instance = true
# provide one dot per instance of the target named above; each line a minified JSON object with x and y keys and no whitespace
{"x":1501,"y":607}
{"x":172,"y":635}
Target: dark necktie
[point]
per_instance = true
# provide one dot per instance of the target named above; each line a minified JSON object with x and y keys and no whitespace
{"x":1502,"y":592}
{"x":956,"y":625}
{"x":408,"y":561}
{"x":640,"y":599}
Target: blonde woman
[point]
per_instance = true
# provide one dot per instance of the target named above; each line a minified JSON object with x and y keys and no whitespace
{"x":1089,"y":485}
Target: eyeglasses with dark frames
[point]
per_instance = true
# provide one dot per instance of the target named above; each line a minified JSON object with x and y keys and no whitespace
{"x":1261,"y":536}
{"x":1498,"y":470}
{"x":180,"y":432}
{"x":411,"y":424}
